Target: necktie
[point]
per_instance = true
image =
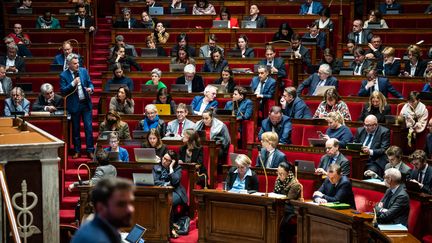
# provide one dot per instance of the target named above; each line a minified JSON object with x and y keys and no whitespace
{"x":420,"y":177}
{"x":368,"y":140}
{"x":357,"y":69}
{"x":357,"y":38}
{"x":180,"y":129}
{"x":262,"y":87}
{"x":82,"y":22}
{"x":387,"y":199}
{"x":1,"y":88}
{"x":81,"y":95}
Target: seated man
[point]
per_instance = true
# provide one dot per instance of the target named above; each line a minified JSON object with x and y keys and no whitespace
{"x":5,"y":82}
{"x":177,"y":126}
{"x":278,"y":123}
{"x":126,"y":20}
{"x":208,"y":101}
{"x":358,"y":34}
{"x":23,"y":51}
{"x":81,"y":19}
{"x":335,"y":188}
{"x":394,"y":157}
{"x":11,"y":61}
{"x":375,"y":49}
{"x":360,"y":62}
{"x":293,"y":106}
{"x":178,"y":4}
{"x":374,"y":83}
{"x":47,"y":21}
{"x":269,"y":155}
{"x":428,"y":144}
{"x":333,"y":156}
{"x":389,"y":4}
{"x":322,"y":78}
{"x":19,"y":37}
{"x":394,"y":207}
{"x":261,"y":21}
{"x":310,"y":7}
{"x":16,"y":103}
{"x":48,"y":100}
{"x":194,"y":82}
{"x":263,"y":85}
{"x":300,"y":51}
{"x":119,"y":41}
{"x":422,"y":172}
{"x":206,"y":50}
{"x":275,"y":64}
{"x":376,"y":140}
{"x":60,"y":59}
{"x":315,"y":33}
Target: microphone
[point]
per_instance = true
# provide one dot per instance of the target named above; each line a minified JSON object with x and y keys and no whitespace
{"x":264,"y":168}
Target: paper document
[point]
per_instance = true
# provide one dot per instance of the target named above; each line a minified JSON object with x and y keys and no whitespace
{"x":392,"y":227}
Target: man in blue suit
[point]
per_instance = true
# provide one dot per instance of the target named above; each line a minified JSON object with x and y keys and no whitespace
{"x":310,"y":7}
{"x":60,"y":59}
{"x":315,"y":33}
{"x":322,"y":78}
{"x":276,"y":65}
{"x":389,"y":4}
{"x":202,"y":103}
{"x":278,"y":123}
{"x":269,"y":155}
{"x":381,"y":84}
{"x":293,"y":106}
{"x":75,"y":83}
{"x":263,"y":85}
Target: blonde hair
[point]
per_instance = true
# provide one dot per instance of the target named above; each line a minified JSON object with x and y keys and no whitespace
{"x":243,"y":160}
{"x":380,"y":97}
{"x":388,"y":51}
{"x":336,"y":116}
{"x":270,"y":137}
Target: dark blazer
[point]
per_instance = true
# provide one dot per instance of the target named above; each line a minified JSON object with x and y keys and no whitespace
{"x":66,"y":88}
{"x":279,"y":64}
{"x":383,"y":7}
{"x":126,"y":63}
{"x":420,"y":68}
{"x":87,"y":19}
{"x":230,"y":86}
{"x":40,"y":103}
{"x":427,"y":179}
{"x":121,"y":23}
{"x":60,"y":59}
{"x":297,"y":109}
{"x":389,"y":69}
{"x":251,"y":182}
{"x":375,"y":111}
{"x":183,"y":5}
{"x":197,"y":157}
{"x":398,"y":207}
{"x":198,"y":100}
{"x":19,"y":63}
{"x":404,"y":169}
{"x":305,"y":55}
{"x":366,"y":36}
{"x":97,"y":230}
{"x":335,"y":65}
{"x":384,"y":85}
{"x":312,"y":81}
{"x":278,"y":157}
{"x":244,"y":110}
{"x":269,"y":86}
{"x":283,"y":129}
{"x":365,"y":66}
{"x":341,"y":160}
{"x":173,"y":180}
{"x":428,"y":145}
{"x":321,"y":39}
{"x":316,"y":8}
{"x":260,"y":19}
{"x":342,"y":192}
{"x":211,"y":68}
{"x":197,"y":83}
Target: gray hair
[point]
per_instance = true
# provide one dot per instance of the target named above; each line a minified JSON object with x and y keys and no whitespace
{"x":261,"y":66}
{"x":46,"y":87}
{"x":8,"y":38}
{"x":12,"y":46}
{"x":16,"y":90}
{"x":394,"y":174}
{"x":150,"y":107}
{"x":325,"y":68}
{"x":209,"y":87}
{"x":71,"y":56}
{"x":190,"y":68}
{"x":156,"y":71}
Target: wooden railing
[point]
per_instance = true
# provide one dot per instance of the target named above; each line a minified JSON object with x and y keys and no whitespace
{"x":9,"y":208}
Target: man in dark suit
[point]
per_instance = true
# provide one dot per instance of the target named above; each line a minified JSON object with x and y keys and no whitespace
{"x":376,"y":140}
{"x":275,"y":64}
{"x":263,"y":85}
{"x":178,"y":4}
{"x":333,"y":156}
{"x":360,"y":62}
{"x":358,"y":34}
{"x":394,"y":207}
{"x":394,"y":157}
{"x":194,"y":82}
{"x":315,"y":33}
{"x":82,"y":19}
{"x":60,"y":59}
{"x":322,"y":78}
{"x":12,"y":61}
{"x":335,"y":188}
{"x":422,"y":172}
{"x":293,"y":106}
{"x":261,"y":21}
{"x":374,"y":83}
{"x":75,"y":83}
{"x":278,"y":123}
{"x":5,"y":81}
{"x":375,"y":49}
{"x":428,"y":145}
{"x":300,"y":52}
{"x":48,"y":100}
{"x":389,"y":4}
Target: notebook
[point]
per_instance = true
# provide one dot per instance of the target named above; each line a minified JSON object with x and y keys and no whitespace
{"x":163,"y":109}
{"x":145,"y":155}
{"x":156,"y":11}
{"x":317,"y":142}
{"x":336,"y":205}
{"x":113,"y":156}
{"x":247,"y":24}
{"x":149,"y":52}
{"x":136,"y":234}
{"x":176,"y":67}
{"x":139,"y":134}
{"x":354,"y":146}
{"x":322,"y":89}
{"x":305,"y":166}
{"x":220,"y":24}
{"x":179,"y":88}
{"x":149,"y":88}
{"x":143,"y":179}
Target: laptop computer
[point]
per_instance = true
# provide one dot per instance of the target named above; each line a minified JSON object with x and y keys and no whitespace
{"x":176,"y":67}
{"x":247,"y":24}
{"x":27,"y":87}
{"x":354,"y":146}
{"x":234,"y":53}
{"x":156,"y":11}
{"x":220,"y":88}
{"x":149,"y":52}
{"x":374,"y":25}
{"x":56,"y":68}
{"x":139,"y":134}
{"x":322,"y":89}
{"x":347,"y":56}
{"x":178,"y":10}
{"x":67,"y":11}
{"x":241,"y":70}
{"x":149,"y":88}
{"x":224,"y":112}
{"x":24,"y":11}
{"x":305,"y":166}
{"x":248,"y":89}
{"x":317,"y":142}
{"x":115,"y":87}
{"x":143,"y":179}
{"x":136,"y":234}
{"x":179,"y":88}
{"x":129,"y":52}
{"x":390,"y":119}
{"x":163,"y":109}
{"x":220,"y":24}
{"x":113,"y":156}
{"x":392,"y":11}
{"x":346,"y":71}
{"x":145,"y":155}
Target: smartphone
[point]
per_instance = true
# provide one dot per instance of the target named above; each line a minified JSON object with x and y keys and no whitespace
{"x":320,"y":133}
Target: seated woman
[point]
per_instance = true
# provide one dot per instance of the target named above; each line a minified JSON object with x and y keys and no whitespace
{"x":390,"y":66}
{"x":375,"y":16}
{"x":25,"y":4}
{"x":163,"y":97}
{"x":154,"y":141}
{"x":241,"y":177}
{"x":122,"y":102}
{"x":47,"y":21}
{"x":151,"y":120}
{"x":203,"y":7}
{"x":376,"y":106}
{"x":192,"y":152}
{"x":337,"y":129}
{"x":288,"y":185}
{"x":156,"y":75}
{"x":224,"y":14}
{"x":332,"y":102}
{"x":242,"y":108}
{"x":415,"y":115}
{"x":114,"y":140}
{"x":324,"y":22}
{"x":160,"y":35}
{"x":208,"y":101}
{"x":226,"y":79}
{"x":113,"y":122}
{"x":146,"y":21}
{"x":331,"y":60}
{"x":216,"y":63}
{"x":182,"y":57}
{"x":428,"y":85}
{"x":284,"y":33}
{"x":151,"y":43}
{"x":168,"y":173}
{"x":119,"y":78}
{"x":242,"y":45}
{"x":269,"y":155}
{"x":183,"y":41}
{"x":119,"y":57}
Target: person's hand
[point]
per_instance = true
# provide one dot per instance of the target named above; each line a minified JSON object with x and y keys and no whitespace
{"x":161,"y":30}
{"x":76,"y":80}
{"x":297,"y":55}
{"x":320,"y":200}
{"x":372,"y":47}
{"x":406,"y":74}
{"x":274,"y":70}
{"x":317,"y":194}
{"x":118,"y":58}
{"x":197,"y":166}
{"x":89,"y":90}
{"x":172,"y":164}
{"x":12,"y":69}
{"x":91,"y":29}
{"x":415,"y":181}
{"x":70,"y":187}
{"x":320,"y":171}
{"x":158,"y":159}
{"x":51,"y":108}
{"x":370,"y":84}
{"x":369,"y":56}
{"x":365,"y":149}
{"x":325,"y":137}
{"x":259,"y":96}
{"x":371,"y":174}
{"x":283,"y":102}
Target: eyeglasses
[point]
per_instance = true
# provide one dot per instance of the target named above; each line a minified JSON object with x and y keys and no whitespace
{"x":370,"y":125}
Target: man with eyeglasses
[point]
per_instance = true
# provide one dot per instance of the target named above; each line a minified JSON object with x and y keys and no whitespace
{"x":16,"y":103}
{"x":322,"y":78}
{"x":194,"y":82}
{"x":375,"y":140}
{"x":48,"y":100}
{"x":422,"y":172}
{"x":176,"y":127}
{"x":360,"y":62}
{"x":333,"y":156}
{"x":374,"y":83}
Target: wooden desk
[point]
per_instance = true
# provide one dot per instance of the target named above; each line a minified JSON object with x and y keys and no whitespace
{"x":152,"y":210}
{"x":232,"y":217}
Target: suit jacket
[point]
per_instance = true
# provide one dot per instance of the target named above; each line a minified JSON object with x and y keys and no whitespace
{"x":244,"y":110}
{"x":198,"y":100}
{"x":197,"y":83}
{"x":341,"y":160}
{"x":260,"y":19}
{"x":279,"y":64}
{"x":183,"y":5}
{"x":420,"y":68}
{"x":383,"y":7}
{"x":404,"y":169}
{"x":269,"y":86}
{"x":342,"y":192}
{"x":366,"y":36}
{"x":335,"y":65}
{"x":88,"y":21}
{"x":6,"y":84}
{"x":10,"y":107}
{"x":172,"y":126}
{"x":380,"y":143}
{"x":298,"y":109}
{"x":249,"y":52}
{"x":365,"y":66}
{"x":392,"y":69}
{"x":122,"y":130}
{"x":59,"y":59}
{"x":316,"y":8}
{"x":278,"y":157}
{"x":173,"y":180}
{"x":196,"y":157}
{"x":97,"y":230}
{"x":398,"y":207}
{"x":251,"y":182}
{"x":428,"y":145}
{"x":283,"y":129}
{"x":40,"y":103}
{"x":427,"y":179}
{"x":312,"y":81}
{"x":205,"y":50}
{"x":211,"y":68}
{"x":384,"y":86}
{"x":66,"y":88}
{"x":321,"y":39}
{"x":305,"y":55}
{"x":19,"y":63}
{"x":102,"y":171}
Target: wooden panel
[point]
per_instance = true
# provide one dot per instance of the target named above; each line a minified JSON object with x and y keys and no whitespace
{"x":319,"y":228}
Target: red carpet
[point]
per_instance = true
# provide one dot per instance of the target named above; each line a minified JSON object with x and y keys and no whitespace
{"x":192,"y":237}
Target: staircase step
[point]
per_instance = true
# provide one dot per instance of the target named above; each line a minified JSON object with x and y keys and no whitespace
{"x":69,"y":202}
{"x":67,"y":216}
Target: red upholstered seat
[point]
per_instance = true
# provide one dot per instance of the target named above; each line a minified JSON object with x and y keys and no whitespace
{"x":308,"y":188}
{"x":271,"y":183}
{"x":349,"y":87}
{"x":248,"y":134}
{"x":366,"y":199}
{"x":414,"y":226}
{"x":310,"y":131}
{"x":297,"y":134}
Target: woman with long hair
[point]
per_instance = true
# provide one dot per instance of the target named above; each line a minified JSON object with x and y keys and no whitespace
{"x":119,"y":57}
{"x":243,"y":46}
{"x":163,"y":97}
{"x":182,"y":57}
{"x":160,"y":35}
{"x":122,"y":102}
{"x":284,"y":33}
{"x":226,"y":79}
{"x":113,"y":122}
{"x":376,"y":106}
{"x":216,"y":63}
{"x":119,"y":78}
{"x":332,"y":101}
{"x":154,"y":141}
{"x":192,"y":152}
